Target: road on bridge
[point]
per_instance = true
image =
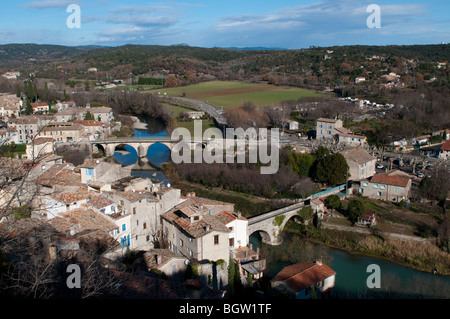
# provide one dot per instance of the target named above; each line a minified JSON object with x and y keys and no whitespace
{"x":274,"y":213}
{"x":213,"y":111}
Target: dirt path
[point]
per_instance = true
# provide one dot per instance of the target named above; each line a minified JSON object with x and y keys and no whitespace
{"x":364,"y":230}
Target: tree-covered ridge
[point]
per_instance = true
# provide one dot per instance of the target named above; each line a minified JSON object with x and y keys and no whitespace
{"x":15,"y":52}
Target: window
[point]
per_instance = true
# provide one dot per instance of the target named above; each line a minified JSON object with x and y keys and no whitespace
{"x":145,"y":225}
{"x":364,"y":184}
{"x":216,"y":239}
{"x":89,"y":171}
{"x":124,"y":227}
{"x":181,"y":243}
{"x":378,"y":193}
{"x":375,"y":186}
{"x":134,"y":210}
{"x":231,"y":244}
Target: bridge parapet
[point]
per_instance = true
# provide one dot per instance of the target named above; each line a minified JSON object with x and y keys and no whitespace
{"x":271,"y":224}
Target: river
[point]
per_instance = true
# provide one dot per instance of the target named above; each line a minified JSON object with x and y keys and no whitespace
{"x":397,"y":282}
{"x":157,"y":154}
{"x":351,"y":270}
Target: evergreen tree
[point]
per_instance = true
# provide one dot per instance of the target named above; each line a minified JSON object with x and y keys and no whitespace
{"x":332,"y":169}
{"x":231,"y":275}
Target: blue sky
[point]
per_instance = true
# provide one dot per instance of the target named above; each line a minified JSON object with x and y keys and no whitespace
{"x":291,"y":24}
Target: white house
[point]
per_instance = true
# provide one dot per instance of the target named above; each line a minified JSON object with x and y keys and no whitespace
{"x":62,"y":202}
{"x":292,"y":125}
{"x":360,"y":79}
{"x":40,"y":107}
{"x":237,"y":225}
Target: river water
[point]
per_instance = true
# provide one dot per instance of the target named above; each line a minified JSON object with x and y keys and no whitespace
{"x":157,"y":154}
{"x":351,"y":270}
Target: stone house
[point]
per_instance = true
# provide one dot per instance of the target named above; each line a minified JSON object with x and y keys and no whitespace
{"x":10,"y":106}
{"x":143,"y":211}
{"x":167,"y":262}
{"x":40,"y":146}
{"x":326,"y":128}
{"x":63,"y":131}
{"x":58,"y":203}
{"x":331,"y":129}
{"x":193,"y":232}
{"x":361,"y":163}
{"x":99,"y":171}
{"x":386,"y":187}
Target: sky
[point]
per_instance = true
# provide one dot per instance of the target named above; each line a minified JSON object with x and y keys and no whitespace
{"x":289,"y":24}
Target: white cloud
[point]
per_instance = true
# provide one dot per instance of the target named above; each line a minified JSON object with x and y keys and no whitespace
{"x":304,"y":25}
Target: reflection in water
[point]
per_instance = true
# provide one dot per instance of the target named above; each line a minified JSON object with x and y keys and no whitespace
{"x":157,"y":153}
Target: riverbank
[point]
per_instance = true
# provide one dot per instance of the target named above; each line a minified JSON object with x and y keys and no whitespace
{"x":137,"y":124}
{"x":419,"y":255}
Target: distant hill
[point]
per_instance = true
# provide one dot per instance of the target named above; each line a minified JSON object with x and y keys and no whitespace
{"x":255,"y":48}
{"x":315,"y":67}
{"x":19,"y":52}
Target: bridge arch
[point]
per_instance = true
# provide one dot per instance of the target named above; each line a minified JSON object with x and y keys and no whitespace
{"x":125,"y":154}
{"x":158,"y":153}
{"x":98,"y":148}
{"x":265,"y":237}
{"x":273,"y":223}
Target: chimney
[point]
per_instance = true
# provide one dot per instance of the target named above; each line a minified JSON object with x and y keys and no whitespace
{"x":52,"y":251}
{"x":158,"y":259}
{"x":319,"y":262}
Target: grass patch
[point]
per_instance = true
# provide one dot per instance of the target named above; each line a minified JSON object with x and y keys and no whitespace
{"x":234,"y":94}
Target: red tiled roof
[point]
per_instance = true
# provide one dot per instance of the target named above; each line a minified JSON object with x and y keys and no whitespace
{"x":39,"y":104}
{"x":303,"y":275}
{"x":446,"y":146}
{"x":390,"y":180}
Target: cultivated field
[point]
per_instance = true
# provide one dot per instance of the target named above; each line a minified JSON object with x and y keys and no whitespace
{"x":234,"y":94}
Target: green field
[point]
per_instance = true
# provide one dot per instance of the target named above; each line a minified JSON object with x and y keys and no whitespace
{"x":234,"y":94}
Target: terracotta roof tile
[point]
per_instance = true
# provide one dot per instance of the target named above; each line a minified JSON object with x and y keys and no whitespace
{"x":446,"y":146}
{"x":303,"y":275}
{"x":390,"y":180}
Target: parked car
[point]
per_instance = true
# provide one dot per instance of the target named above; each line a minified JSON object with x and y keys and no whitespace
{"x":379,"y":165}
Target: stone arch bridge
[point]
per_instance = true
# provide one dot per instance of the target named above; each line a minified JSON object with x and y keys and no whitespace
{"x":269,"y":226}
{"x":141,"y":145}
